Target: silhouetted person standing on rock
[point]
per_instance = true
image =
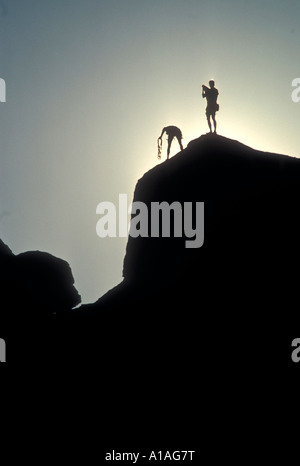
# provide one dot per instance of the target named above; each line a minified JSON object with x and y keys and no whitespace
{"x":171,"y":131}
{"x":211,"y":95}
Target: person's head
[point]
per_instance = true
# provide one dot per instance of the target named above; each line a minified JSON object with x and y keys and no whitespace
{"x":212,"y":83}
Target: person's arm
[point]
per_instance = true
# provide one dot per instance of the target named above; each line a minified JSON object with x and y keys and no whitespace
{"x":204,"y":89}
{"x":163,"y":130}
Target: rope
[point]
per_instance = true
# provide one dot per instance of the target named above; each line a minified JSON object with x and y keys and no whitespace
{"x":159,"y":147}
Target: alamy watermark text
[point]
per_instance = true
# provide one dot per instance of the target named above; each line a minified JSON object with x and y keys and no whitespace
{"x":160,"y":220}
{"x":296,"y":92}
{"x":2,"y":90}
{"x":296,"y":352}
{"x":2,"y":350}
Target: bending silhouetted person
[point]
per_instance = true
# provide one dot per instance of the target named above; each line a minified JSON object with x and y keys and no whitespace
{"x":171,"y":131}
{"x":211,"y":95}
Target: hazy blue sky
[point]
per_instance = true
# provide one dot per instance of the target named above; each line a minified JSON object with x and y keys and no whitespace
{"x":91,"y":83}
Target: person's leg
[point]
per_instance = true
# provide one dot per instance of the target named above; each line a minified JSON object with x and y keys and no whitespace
{"x":169,"y":146}
{"x":179,"y":142}
{"x":215,"y":123}
{"x":208,"y":121}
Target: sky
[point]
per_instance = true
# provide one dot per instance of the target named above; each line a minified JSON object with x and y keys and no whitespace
{"x":91,"y":83}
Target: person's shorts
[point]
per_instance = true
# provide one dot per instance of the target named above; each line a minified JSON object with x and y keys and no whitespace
{"x":212,"y":109}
